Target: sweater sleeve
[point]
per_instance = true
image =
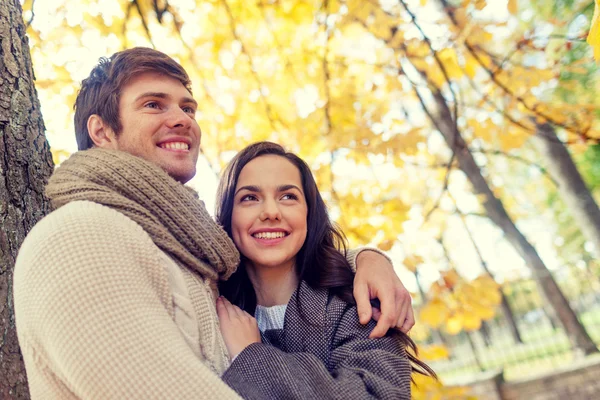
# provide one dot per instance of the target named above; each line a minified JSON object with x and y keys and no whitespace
{"x":92,"y":307}
{"x":352,"y":255}
{"x":359,"y":368}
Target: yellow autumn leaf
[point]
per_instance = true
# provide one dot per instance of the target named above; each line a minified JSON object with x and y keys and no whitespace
{"x":513,"y":7}
{"x":434,"y":313}
{"x":451,"y":278}
{"x":449,"y":59}
{"x":593,"y":38}
{"x":454,"y":324}
{"x":480,"y":4}
{"x":470,"y":321}
{"x":434,"y":352}
{"x":471,"y":67}
{"x":386,"y":245}
{"x":483,"y":312}
{"x":412,"y":262}
{"x":59,"y":155}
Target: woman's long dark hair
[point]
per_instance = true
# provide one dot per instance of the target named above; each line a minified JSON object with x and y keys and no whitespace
{"x":321,"y":261}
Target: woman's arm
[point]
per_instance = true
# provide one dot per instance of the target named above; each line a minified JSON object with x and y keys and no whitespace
{"x":359,"y":367}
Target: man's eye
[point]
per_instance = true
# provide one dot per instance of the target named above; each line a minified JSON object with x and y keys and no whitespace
{"x":152,"y":104}
{"x":189,"y":110}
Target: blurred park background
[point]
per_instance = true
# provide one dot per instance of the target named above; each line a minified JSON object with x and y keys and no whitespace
{"x":459,"y":136}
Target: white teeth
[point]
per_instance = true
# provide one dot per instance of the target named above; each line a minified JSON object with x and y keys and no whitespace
{"x":269,"y":235}
{"x":175,"y":146}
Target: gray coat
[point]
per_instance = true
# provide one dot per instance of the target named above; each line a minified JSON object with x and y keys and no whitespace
{"x":328,"y":355}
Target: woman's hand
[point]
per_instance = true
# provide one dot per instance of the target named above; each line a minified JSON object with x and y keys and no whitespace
{"x":239,"y":329}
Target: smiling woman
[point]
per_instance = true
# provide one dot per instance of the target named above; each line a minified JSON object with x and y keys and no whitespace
{"x":295,"y":279}
{"x":269,"y":217}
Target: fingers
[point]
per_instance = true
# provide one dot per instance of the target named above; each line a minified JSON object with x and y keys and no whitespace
{"x":376,"y":313}
{"x":226,"y":310}
{"x":363,"y":303}
{"x":222,"y":310}
{"x":403,"y":305}
{"x":409,"y":322}
{"x":388,"y":317}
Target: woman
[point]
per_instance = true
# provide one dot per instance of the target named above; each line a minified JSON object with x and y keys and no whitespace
{"x":295,"y":279}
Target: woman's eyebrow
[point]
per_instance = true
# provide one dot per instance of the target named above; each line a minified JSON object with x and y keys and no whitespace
{"x":283,"y":188}
{"x":250,"y":188}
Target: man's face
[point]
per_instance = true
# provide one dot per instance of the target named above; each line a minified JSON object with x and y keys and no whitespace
{"x":157,"y":114}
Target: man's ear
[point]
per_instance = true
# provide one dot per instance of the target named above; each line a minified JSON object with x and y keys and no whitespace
{"x":100,"y":133}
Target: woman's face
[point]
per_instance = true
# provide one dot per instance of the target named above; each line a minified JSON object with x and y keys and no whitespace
{"x":268,"y":223}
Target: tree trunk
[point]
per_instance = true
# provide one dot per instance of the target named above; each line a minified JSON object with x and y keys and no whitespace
{"x":485,"y":334}
{"x":504,"y":306}
{"x":510,"y":319}
{"x":572,"y":188}
{"x":549,"y":289}
{"x":25,"y":164}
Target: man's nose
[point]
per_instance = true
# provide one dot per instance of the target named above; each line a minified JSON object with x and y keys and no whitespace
{"x":178,"y":118}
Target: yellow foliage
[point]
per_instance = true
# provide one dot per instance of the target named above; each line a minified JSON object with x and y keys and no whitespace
{"x":412,"y":262}
{"x":471,"y":66}
{"x":594,"y":35}
{"x":434,"y":313}
{"x":425,"y":388}
{"x":59,"y":155}
{"x":386,"y":245}
{"x":456,"y":304}
{"x":513,"y":7}
{"x":454,"y":324}
{"x":434,"y":352}
{"x":470,"y":321}
{"x":450,"y":61}
{"x":512,"y":139}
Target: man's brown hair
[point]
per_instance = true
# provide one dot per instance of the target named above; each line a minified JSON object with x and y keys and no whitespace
{"x":101,"y":91}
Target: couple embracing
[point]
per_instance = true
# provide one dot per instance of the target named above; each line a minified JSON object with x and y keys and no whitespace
{"x":130,"y":290}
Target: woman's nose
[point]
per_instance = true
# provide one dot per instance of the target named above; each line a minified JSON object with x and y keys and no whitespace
{"x":270,"y":211}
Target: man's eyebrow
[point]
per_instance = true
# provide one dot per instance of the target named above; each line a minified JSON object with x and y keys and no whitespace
{"x":162,"y":95}
{"x":250,"y":188}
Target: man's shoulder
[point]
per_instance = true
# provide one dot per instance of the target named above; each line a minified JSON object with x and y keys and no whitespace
{"x":80,"y":217}
{"x":81,"y":223}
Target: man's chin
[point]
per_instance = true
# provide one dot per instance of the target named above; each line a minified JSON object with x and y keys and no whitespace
{"x":180,"y":174}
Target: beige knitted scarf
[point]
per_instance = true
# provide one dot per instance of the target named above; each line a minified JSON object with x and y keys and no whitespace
{"x":168,"y":211}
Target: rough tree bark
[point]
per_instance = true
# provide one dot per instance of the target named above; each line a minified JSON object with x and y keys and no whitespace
{"x":572,"y":188}
{"x":25,"y":164}
{"x":494,"y":208}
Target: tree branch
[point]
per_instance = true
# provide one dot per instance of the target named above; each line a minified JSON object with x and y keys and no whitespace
{"x":267,"y":106}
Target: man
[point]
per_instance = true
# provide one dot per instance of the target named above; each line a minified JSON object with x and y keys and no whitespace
{"x":115,"y":289}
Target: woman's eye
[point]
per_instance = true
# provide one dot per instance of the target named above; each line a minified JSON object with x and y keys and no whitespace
{"x":248,"y":197}
{"x":289,"y":196}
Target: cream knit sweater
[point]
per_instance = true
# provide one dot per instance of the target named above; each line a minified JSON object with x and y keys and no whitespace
{"x":102,"y":313}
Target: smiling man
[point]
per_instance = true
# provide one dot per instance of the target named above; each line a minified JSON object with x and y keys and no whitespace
{"x":115,"y":289}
